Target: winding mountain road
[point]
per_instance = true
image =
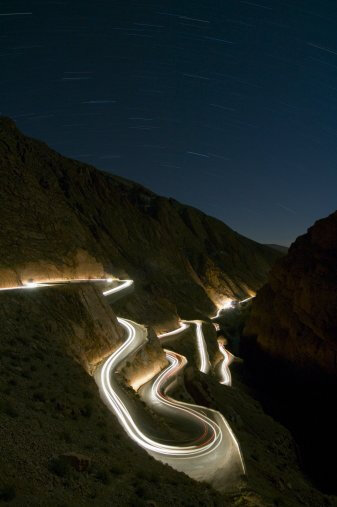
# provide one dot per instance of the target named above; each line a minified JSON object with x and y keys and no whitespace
{"x":211,"y":453}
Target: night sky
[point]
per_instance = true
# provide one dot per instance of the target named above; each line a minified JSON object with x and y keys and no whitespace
{"x":228,"y":105}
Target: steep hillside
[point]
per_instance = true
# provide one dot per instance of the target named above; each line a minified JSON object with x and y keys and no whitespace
{"x":291,"y":340}
{"x":59,"y":444}
{"x":62,"y":218}
{"x":294,"y":316}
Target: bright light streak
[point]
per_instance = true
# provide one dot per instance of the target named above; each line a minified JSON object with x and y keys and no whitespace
{"x":128,"y":423}
{"x":177,"y":362}
{"x":124,"y":284}
{"x":208,"y":444}
{"x":205,"y":365}
{"x":247,"y":299}
{"x":31,"y":285}
{"x":226,"y":306}
{"x":230,"y":304}
{"x":226,"y":377}
{"x":203,"y":353}
{"x":180,"y":329}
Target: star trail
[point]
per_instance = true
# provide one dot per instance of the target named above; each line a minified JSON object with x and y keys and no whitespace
{"x":229,"y":106}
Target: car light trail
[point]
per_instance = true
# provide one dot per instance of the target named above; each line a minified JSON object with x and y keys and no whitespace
{"x":230,"y":303}
{"x":179,"y":330}
{"x":226,"y":306}
{"x":205,"y":364}
{"x":247,"y":299}
{"x":105,"y":377}
{"x":225,"y":374}
{"x":124,"y":284}
{"x":217,"y":439}
{"x":203,"y":353}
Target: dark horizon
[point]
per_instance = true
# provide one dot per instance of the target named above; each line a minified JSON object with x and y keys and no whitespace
{"x":230,"y":109}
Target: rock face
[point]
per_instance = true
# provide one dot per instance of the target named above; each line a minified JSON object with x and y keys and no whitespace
{"x":144,"y":364}
{"x":65,"y":219}
{"x":294,"y":316}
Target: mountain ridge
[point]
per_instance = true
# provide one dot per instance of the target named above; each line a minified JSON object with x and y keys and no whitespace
{"x":76,"y":221}
{"x":293,"y":316}
{"x":290,"y":335}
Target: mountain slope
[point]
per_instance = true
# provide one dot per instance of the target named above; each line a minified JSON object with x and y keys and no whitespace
{"x":291,"y":339}
{"x":294,"y":315}
{"x":62,"y":218}
{"x":59,"y":444}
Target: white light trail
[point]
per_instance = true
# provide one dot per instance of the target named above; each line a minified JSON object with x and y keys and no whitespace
{"x":31,"y":285}
{"x":27,"y":285}
{"x":226,"y":377}
{"x":123,"y":414}
{"x":124,"y":284}
{"x":205,"y":364}
{"x":226,"y":306}
{"x":179,"y":330}
{"x":203,"y":353}
{"x":247,"y":299}
{"x":230,"y":303}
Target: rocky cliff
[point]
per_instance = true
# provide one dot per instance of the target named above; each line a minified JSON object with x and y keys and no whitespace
{"x":294,"y":316}
{"x":65,"y":219}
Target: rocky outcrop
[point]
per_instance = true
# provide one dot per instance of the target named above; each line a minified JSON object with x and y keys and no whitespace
{"x":294,"y":316}
{"x":144,"y":364}
{"x":65,"y":219}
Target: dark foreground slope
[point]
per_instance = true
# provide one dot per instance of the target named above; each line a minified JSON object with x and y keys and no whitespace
{"x":59,"y":445}
{"x":62,"y":218}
